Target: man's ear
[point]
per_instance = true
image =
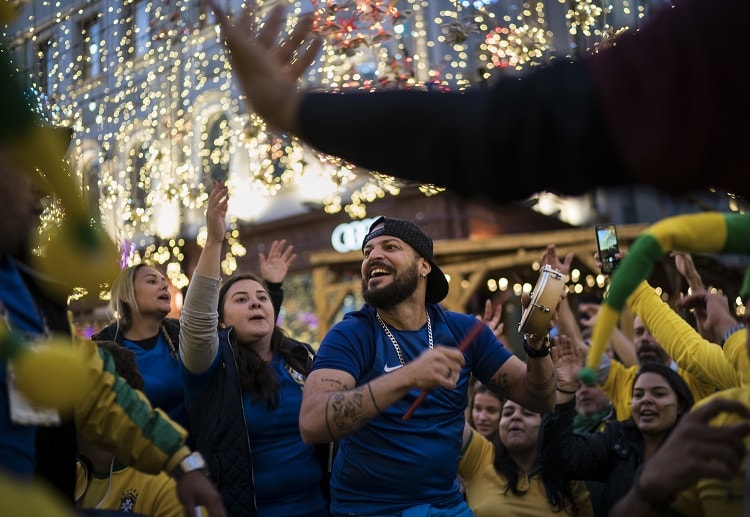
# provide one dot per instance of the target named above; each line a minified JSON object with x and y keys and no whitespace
{"x":425,"y":269}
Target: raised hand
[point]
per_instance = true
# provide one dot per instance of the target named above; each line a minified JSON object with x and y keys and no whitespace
{"x":568,"y":359}
{"x":494,"y":320}
{"x":275,"y":266}
{"x":268,"y":73}
{"x":550,"y":258}
{"x":684,"y":263}
{"x":712,"y":314}
{"x":216,"y":213}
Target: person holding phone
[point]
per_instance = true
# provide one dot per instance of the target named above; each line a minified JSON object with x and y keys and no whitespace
{"x":608,"y":247}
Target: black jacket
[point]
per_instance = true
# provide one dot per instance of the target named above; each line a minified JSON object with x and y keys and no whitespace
{"x":611,"y":456}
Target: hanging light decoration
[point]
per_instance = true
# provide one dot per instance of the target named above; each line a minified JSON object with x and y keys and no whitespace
{"x":149,"y":92}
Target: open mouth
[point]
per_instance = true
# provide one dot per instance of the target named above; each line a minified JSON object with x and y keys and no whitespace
{"x":377,"y":272}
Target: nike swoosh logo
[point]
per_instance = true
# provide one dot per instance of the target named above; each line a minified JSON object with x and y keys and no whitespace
{"x":389,"y":369}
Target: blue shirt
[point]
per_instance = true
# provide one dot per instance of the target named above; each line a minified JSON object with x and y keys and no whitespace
{"x":161,"y":378}
{"x":390,"y":464}
{"x":286,"y":471}
{"x":17,"y":447}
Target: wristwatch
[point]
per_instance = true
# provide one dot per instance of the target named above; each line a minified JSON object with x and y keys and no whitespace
{"x":533,"y":352}
{"x":191,"y":462}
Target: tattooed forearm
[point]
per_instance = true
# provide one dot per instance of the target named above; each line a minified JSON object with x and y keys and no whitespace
{"x":347,"y":411}
{"x":540,"y":390}
{"x":501,"y":386}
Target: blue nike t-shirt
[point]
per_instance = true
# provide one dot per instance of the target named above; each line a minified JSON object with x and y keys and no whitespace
{"x":391,"y":464}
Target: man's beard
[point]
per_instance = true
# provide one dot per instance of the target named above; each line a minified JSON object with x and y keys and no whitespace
{"x":659,"y":355}
{"x":402,"y":286}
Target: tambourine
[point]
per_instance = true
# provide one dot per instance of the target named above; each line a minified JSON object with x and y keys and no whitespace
{"x":544,"y":298}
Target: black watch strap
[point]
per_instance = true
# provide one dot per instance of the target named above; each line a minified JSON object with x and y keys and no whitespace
{"x":533,"y":352}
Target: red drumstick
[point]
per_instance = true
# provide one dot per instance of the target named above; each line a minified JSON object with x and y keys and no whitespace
{"x":462,"y":346}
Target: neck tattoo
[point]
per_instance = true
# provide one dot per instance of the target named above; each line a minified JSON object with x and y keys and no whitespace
{"x":393,"y":339}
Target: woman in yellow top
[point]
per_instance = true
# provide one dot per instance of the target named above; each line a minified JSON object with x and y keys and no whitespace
{"x":504,"y":478}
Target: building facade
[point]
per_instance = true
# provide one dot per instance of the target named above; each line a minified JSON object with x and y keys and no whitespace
{"x":156,"y":116}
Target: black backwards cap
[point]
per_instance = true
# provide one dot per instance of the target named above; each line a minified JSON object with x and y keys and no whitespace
{"x":437,"y":285}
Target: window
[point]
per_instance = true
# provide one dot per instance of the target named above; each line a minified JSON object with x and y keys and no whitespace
{"x":206,"y":16}
{"x":140,"y":28}
{"x":91,"y":47}
{"x":46,"y":65}
{"x":137,"y":172}
{"x":215,"y":152}
{"x":91,"y":173}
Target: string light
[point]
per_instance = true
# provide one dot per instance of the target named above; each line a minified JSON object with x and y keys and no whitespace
{"x":148,"y":90}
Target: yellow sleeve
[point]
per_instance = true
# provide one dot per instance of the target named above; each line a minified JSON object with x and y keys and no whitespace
{"x":619,"y":388}
{"x":120,"y":419}
{"x":477,"y":455}
{"x":702,"y":359}
{"x":736,"y":352}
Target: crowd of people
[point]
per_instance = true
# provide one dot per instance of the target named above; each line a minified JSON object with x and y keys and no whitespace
{"x":405,"y":409}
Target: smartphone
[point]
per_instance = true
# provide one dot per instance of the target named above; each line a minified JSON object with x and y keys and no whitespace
{"x":608,"y":247}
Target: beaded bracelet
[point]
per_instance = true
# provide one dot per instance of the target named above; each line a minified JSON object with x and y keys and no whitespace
{"x":729,"y":333}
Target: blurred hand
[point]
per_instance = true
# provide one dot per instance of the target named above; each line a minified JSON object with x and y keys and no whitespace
{"x":683,"y":261}
{"x":712,"y":314}
{"x":619,"y":256}
{"x":268,"y":73}
{"x":550,"y":258}
{"x":194,"y":489}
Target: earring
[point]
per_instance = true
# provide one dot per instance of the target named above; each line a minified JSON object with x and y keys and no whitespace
{"x":424,"y":276}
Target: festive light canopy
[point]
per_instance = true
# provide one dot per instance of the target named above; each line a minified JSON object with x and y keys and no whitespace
{"x":148,"y":90}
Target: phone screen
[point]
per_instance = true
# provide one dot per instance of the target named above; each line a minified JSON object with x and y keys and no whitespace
{"x":608,"y":247}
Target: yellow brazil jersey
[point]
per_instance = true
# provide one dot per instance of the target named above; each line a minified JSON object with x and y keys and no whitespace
{"x":485,"y":487}
{"x":129,"y":490}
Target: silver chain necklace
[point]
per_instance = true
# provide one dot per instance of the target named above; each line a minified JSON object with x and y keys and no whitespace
{"x":393,"y":339}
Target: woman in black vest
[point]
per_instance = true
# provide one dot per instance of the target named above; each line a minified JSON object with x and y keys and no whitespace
{"x":243,"y":379}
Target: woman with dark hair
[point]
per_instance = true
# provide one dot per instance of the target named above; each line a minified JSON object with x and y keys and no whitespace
{"x":614,"y":455}
{"x":502,"y":475}
{"x":243,"y":381}
{"x":141,"y":301}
